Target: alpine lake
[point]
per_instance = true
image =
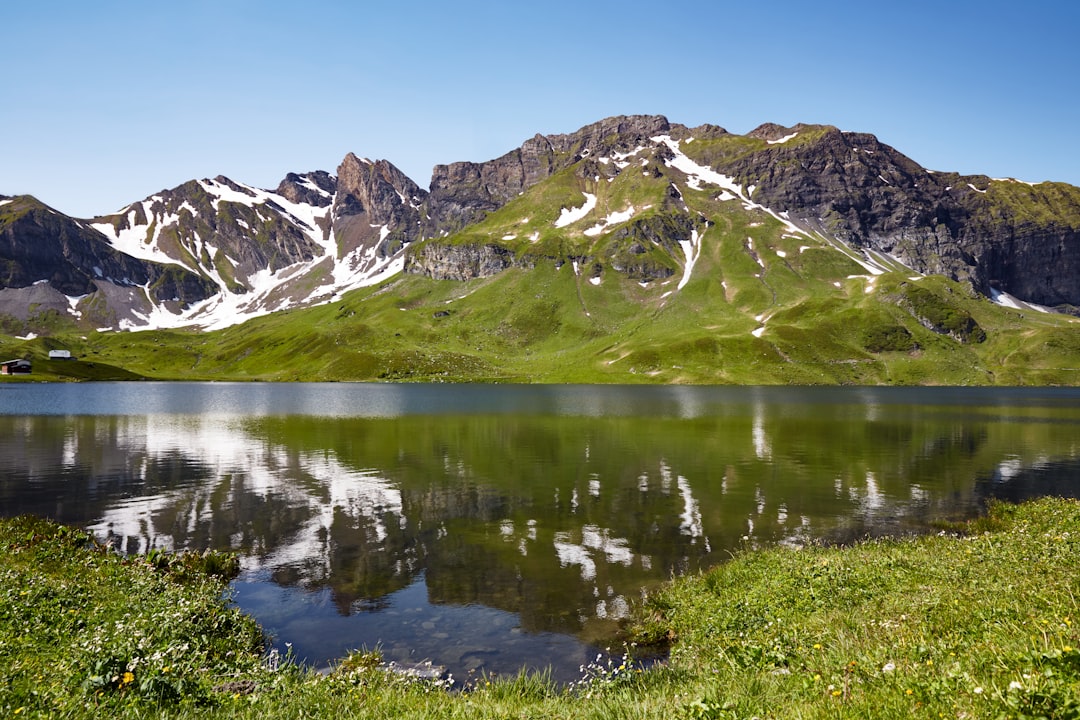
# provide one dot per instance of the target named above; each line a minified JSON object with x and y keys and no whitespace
{"x":490,"y":528}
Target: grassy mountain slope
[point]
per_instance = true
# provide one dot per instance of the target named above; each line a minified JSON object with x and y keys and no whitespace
{"x":550,"y":325}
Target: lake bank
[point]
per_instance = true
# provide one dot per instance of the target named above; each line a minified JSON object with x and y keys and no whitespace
{"x":972,"y":625}
{"x":490,"y":528}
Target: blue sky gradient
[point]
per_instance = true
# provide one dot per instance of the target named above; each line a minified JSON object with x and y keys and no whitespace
{"x":108,"y":102}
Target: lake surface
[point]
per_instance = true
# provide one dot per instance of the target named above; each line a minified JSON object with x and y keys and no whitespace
{"x":489,"y":528}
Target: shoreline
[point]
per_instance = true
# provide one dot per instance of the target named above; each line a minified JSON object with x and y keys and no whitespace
{"x":885,"y":627}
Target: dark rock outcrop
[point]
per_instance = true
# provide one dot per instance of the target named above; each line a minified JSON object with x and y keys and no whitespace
{"x":443,"y":261}
{"x":463,"y":193}
{"x":314,"y":188}
{"x":970,"y":229}
{"x":40,"y":245}
{"x":376,"y":207}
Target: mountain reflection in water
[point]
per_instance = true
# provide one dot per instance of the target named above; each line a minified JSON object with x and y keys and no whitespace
{"x":514,"y":525}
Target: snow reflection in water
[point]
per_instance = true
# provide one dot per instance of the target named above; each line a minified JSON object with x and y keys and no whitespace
{"x":491,"y":528}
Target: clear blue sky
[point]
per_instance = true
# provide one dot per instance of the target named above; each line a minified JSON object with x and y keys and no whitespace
{"x":107,"y":102}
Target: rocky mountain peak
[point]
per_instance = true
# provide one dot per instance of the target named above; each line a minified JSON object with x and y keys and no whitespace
{"x":612,"y":133}
{"x":313,"y":188}
{"x":463,"y":193}
{"x":235,"y":187}
{"x":377,"y":188}
{"x":771,"y":131}
{"x":377,"y":207}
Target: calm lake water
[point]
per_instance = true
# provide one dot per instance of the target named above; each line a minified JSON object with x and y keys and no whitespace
{"x":489,"y":528}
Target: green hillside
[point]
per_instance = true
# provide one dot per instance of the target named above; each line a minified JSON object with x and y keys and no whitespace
{"x":550,"y":325}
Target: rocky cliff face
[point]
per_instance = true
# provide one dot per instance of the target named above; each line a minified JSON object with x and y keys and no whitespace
{"x":1001,"y":234}
{"x":459,"y":262}
{"x":49,"y":261}
{"x":463,"y":193}
{"x":315,"y":188}
{"x":1023,"y":239}
{"x":40,"y":245}
{"x":377,"y":207}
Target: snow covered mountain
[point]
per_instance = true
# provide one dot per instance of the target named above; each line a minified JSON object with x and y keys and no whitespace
{"x":213,"y":253}
{"x":243,"y":251}
{"x":263,"y":250}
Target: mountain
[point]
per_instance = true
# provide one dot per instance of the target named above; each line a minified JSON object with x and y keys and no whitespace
{"x":53,"y":263}
{"x":807,"y":246}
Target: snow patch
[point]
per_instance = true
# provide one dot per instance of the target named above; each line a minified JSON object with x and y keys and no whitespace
{"x":784,"y":139}
{"x":692,"y":251}
{"x":1006,"y":300}
{"x":614,"y":218}
{"x":571,"y":215}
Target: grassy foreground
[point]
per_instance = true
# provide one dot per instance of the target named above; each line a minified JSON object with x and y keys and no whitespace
{"x":981,"y":623}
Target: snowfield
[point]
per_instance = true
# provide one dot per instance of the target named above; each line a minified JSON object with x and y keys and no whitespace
{"x":569,"y":216}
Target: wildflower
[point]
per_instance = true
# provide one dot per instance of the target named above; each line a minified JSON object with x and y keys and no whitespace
{"x":1014,"y":685}
{"x":817,"y":646}
{"x":978,"y":691}
{"x":127,"y":679}
{"x":836,"y":693}
{"x":888,"y":667}
{"x":909,"y":691}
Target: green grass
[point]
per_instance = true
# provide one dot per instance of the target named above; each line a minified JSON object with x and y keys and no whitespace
{"x":548,"y":325}
{"x":982,"y":620}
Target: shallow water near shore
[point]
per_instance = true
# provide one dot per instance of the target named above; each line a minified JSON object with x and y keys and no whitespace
{"x":490,"y":528}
